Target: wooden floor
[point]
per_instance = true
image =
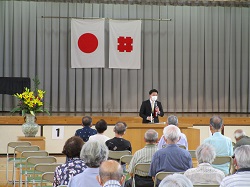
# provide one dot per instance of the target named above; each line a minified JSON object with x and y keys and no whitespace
{"x":3,"y":181}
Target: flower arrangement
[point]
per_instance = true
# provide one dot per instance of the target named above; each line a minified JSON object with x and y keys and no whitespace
{"x":30,"y":102}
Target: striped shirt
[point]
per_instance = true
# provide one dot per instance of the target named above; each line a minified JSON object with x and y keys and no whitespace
{"x":112,"y":183}
{"x":143,"y":155}
{"x":240,"y":179}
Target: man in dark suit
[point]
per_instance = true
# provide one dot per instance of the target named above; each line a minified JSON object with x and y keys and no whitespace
{"x":151,"y":108}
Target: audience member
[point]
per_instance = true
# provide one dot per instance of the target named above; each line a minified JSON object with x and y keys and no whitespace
{"x":74,"y":165}
{"x":100,"y":126}
{"x":143,"y":155}
{"x":93,"y":154}
{"x":173,"y":120}
{"x":222,"y":144}
{"x":118,"y":143}
{"x":176,"y":180}
{"x":172,"y":158}
{"x":241,"y":138}
{"x":111,"y":174}
{"x":205,"y":173}
{"x":242,"y":163}
{"x":86,"y":131}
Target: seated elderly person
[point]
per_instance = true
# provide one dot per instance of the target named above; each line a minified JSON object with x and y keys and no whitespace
{"x":173,"y":120}
{"x":93,"y":154}
{"x":205,"y":173}
{"x":111,"y":174}
{"x":242,"y":163}
{"x":100,"y":126}
{"x":74,"y":165}
{"x":176,"y":180}
{"x":241,"y":138}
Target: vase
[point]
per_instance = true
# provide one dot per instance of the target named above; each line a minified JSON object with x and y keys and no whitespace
{"x":30,"y":128}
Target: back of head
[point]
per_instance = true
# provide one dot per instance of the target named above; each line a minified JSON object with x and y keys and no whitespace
{"x":101,"y":126}
{"x":173,"y":120}
{"x":239,"y":133}
{"x":86,"y":121}
{"x":151,"y":136}
{"x":72,"y":147}
{"x":242,"y":156}
{"x":205,"y":153}
{"x":120,"y":128}
{"x":176,"y":180}
{"x":110,"y":170}
{"x":172,"y":133}
{"x":216,"y":122}
{"x":94,"y":153}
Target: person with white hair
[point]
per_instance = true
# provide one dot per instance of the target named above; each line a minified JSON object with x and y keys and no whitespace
{"x":241,"y":138}
{"x":205,"y":173}
{"x":172,"y":158}
{"x":176,"y":180}
{"x":242,"y":163}
{"x":173,"y":120}
{"x":93,"y":154}
{"x":222,"y":144}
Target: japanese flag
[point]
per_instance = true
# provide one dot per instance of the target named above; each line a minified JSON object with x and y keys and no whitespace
{"x":87,"y":43}
{"x":125,"y":44}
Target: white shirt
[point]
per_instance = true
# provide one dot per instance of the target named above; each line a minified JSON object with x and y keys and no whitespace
{"x":101,"y":138}
{"x":205,"y":174}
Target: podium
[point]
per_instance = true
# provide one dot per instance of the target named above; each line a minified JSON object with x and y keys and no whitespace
{"x":135,"y":134}
{"x":37,"y":140}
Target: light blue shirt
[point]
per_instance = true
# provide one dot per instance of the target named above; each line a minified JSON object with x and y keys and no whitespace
{"x":223,"y":147}
{"x":85,"y":179}
{"x":183,"y":141}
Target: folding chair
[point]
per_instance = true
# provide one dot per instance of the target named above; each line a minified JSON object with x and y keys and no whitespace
{"x":223,"y":160}
{"x":24,"y":156}
{"x":116,"y":155}
{"x":143,"y":167}
{"x":126,"y":159}
{"x":206,"y":185}
{"x":17,"y":157}
{"x":192,"y":153}
{"x":47,"y":177}
{"x":161,"y":175}
{"x":182,"y":146}
{"x":28,"y":169}
{"x":39,"y":169}
{"x":11,"y":146}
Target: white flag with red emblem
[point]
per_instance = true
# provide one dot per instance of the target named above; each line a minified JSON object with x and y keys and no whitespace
{"x":125,"y":44}
{"x":87,"y":43}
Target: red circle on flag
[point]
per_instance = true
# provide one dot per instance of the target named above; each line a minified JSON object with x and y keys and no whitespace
{"x":88,"y":43}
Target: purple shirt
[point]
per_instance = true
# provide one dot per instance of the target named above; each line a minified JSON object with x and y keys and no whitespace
{"x":182,"y":141}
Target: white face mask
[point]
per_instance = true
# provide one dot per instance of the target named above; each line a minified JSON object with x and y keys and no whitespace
{"x":154,"y":98}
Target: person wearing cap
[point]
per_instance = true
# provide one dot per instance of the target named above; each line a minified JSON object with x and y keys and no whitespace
{"x":222,"y":144}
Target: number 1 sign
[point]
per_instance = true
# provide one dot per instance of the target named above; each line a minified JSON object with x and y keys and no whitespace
{"x":57,"y":132}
